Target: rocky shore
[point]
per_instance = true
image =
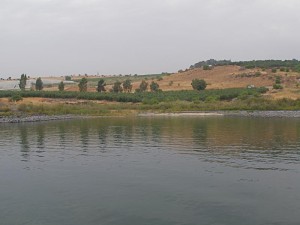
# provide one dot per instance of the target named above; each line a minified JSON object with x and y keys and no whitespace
{"x":36,"y":118}
{"x":262,"y":114}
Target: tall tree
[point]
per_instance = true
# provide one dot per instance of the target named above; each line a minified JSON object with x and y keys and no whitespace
{"x":101,"y":85}
{"x":154,"y":87}
{"x":143,"y":86}
{"x":83,"y":85}
{"x":23,"y":82}
{"x":61,"y":86}
{"x":127,"y":86}
{"x":117,"y":87}
{"x":39,"y":84}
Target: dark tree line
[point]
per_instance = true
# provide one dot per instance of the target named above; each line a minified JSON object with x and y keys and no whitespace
{"x":293,"y":64}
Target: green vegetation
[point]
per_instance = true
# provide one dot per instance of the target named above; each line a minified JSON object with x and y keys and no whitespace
{"x":277,"y":84}
{"x":154,"y":87}
{"x":92,"y":108}
{"x":68,"y":78}
{"x":143,"y":86}
{"x":83,"y":85}
{"x":266,"y":64}
{"x":16,"y":97}
{"x":166,"y":96}
{"x":207,"y":67}
{"x":117,"y":87}
{"x":61,"y":86}
{"x":101,"y":85}
{"x":39,"y":84}
{"x":198,"y":84}
{"x":23,"y":81}
{"x":93,"y":81}
{"x":127,"y":86}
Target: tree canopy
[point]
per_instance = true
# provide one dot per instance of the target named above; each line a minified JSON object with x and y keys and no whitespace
{"x":61,"y":86}
{"x":154,"y":87}
{"x":143,"y":86}
{"x":117,"y":87}
{"x":127,"y":86}
{"x":198,"y":84}
{"x":83,"y":85}
{"x":23,"y":81}
{"x":101,"y":85}
{"x":39,"y":84}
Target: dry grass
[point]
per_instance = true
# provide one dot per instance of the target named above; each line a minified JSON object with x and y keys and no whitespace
{"x":219,"y":78}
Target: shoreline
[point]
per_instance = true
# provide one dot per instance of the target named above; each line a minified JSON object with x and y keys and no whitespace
{"x":241,"y":113}
{"x":254,"y":114}
{"x":39,"y":118}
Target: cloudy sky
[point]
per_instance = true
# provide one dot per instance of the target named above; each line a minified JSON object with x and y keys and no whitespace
{"x":58,"y":37}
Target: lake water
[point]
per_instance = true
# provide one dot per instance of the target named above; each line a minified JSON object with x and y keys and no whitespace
{"x":151,"y":171}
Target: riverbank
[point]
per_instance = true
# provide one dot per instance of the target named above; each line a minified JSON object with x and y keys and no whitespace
{"x":38,"y":118}
{"x":262,"y":114}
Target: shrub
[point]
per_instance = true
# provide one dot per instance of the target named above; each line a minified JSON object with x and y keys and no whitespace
{"x":257,"y":74}
{"x":277,"y":86}
{"x":207,"y":67}
{"x":16,"y":97}
{"x":198,"y":84}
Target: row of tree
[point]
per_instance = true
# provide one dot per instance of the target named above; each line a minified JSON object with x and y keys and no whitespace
{"x":125,"y":86}
{"x":23,"y":81}
{"x":117,"y":87}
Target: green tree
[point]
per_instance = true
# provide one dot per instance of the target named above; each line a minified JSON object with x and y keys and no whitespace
{"x":61,"y":86}
{"x":101,"y":85}
{"x":127,"y":86}
{"x":117,"y":87}
{"x":143,"y":86}
{"x":154,"y":87}
{"x":198,"y":84}
{"x":83,"y":85}
{"x":23,"y":82}
{"x":68,"y":78}
{"x":39,"y":84}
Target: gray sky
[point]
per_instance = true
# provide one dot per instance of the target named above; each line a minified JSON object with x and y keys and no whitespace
{"x":58,"y":37}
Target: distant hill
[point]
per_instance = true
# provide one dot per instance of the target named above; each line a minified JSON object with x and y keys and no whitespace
{"x":293,"y":64}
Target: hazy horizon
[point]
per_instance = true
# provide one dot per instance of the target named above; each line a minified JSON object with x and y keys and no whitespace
{"x":64,"y":37}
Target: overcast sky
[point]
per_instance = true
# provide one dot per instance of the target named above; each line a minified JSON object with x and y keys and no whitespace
{"x":59,"y":37}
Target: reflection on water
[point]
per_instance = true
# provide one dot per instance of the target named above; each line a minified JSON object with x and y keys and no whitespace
{"x":151,"y":171}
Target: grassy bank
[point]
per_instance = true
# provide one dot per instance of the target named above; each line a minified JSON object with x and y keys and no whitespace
{"x":100,"y":109}
{"x":154,"y":97}
{"x":87,"y":103}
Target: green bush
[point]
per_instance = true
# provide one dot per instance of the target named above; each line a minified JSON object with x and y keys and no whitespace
{"x":16,"y":97}
{"x":198,"y":84}
{"x":277,"y":86}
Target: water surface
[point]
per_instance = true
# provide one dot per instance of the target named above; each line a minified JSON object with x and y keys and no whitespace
{"x":151,"y":171}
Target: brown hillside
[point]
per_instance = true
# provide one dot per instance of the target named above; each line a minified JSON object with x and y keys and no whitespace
{"x":220,"y":77}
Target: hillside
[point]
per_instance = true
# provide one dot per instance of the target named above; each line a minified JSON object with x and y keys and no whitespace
{"x":217,"y":77}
